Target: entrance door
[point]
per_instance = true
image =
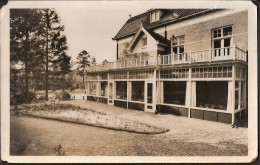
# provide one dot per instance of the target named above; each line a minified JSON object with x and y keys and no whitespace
{"x":150,"y":95}
{"x":111,"y":93}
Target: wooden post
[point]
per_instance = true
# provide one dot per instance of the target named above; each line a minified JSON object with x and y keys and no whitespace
{"x":129,"y":91}
{"x":233,"y":93}
{"x":189,"y":93}
{"x":154,"y":98}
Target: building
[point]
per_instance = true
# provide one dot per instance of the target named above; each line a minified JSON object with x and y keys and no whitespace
{"x":188,"y":62}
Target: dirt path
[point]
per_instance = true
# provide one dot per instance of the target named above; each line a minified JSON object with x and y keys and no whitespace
{"x":192,"y":130}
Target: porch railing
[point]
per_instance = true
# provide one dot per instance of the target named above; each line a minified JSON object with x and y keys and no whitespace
{"x":218,"y":54}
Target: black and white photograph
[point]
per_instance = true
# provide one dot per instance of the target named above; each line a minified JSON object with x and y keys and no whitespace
{"x":128,"y":81}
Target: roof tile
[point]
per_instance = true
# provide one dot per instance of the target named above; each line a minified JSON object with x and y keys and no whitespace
{"x":169,"y":15}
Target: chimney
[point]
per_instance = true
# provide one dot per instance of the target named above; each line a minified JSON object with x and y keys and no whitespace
{"x":130,"y":15}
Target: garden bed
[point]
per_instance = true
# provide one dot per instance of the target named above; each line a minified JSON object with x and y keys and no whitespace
{"x":75,"y":114}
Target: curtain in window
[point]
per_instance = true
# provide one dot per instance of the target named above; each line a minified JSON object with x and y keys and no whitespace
{"x":187,"y":102}
{"x":193,"y":93}
{"x":230,"y":93}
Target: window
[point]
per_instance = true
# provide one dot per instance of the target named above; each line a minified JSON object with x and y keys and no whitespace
{"x":174,"y":92}
{"x":155,"y":16}
{"x":221,"y":41}
{"x":121,"y":90}
{"x":92,"y":87}
{"x":141,"y":74}
{"x":178,"y":44}
{"x":137,"y":91}
{"x":144,"y":42}
{"x":243,"y":95}
{"x":104,"y":89}
{"x":104,"y":76}
{"x":178,"y":47}
{"x":174,"y":73}
{"x":212,"y":94}
{"x":118,"y":75}
{"x":212,"y":72}
{"x":92,"y":77}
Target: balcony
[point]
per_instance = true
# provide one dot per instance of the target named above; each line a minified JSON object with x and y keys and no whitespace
{"x":211,"y":55}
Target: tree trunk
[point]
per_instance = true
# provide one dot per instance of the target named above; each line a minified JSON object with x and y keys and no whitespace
{"x":83,"y":78}
{"x":47,"y":58}
{"x":26,"y":70}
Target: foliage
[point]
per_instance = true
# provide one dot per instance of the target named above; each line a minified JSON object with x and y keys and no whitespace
{"x":47,"y":106}
{"x":58,"y":150}
{"x":25,"y":35}
{"x":57,"y":60}
{"x":105,"y":62}
{"x":38,"y":52}
{"x":83,"y":61}
{"x":20,"y":99}
{"x":63,"y":95}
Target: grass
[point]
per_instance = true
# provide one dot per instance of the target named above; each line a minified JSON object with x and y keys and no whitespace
{"x":75,"y":114}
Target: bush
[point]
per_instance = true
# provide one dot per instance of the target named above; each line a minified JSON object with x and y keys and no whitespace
{"x":71,"y":88}
{"x":20,"y":98}
{"x":82,"y":86}
{"x":63,"y":95}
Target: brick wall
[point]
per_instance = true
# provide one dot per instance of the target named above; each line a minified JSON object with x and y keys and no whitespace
{"x":198,"y":36}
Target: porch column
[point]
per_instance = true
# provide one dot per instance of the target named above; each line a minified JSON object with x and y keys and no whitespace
{"x":154,"y":91}
{"x":88,"y":92}
{"x":188,"y":93}
{"x":161,"y":92}
{"x":234,"y":91}
{"x":129,"y":91}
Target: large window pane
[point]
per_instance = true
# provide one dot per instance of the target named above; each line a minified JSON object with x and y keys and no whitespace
{"x":92,"y":87}
{"x":121,"y":90}
{"x":243,"y":94}
{"x":216,"y":33}
{"x":212,"y":95}
{"x":217,"y":44}
{"x":104,"y":89}
{"x":174,"y":92}
{"x":236,"y":99}
{"x":138,"y":91}
{"x":227,"y":31}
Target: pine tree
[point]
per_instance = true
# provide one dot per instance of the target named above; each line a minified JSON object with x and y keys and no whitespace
{"x":24,"y":35}
{"x":57,"y":61}
{"x":83,"y":61}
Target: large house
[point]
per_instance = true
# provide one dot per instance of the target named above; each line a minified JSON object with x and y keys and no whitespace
{"x":188,"y":62}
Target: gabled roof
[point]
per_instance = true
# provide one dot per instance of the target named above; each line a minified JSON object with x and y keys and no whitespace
{"x":155,"y":36}
{"x":169,"y":16}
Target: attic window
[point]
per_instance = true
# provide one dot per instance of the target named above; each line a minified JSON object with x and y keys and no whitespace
{"x":155,"y":16}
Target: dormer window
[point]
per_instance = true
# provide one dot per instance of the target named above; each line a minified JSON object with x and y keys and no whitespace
{"x":155,"y":15}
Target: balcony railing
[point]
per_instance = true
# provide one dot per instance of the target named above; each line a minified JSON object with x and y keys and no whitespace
{"x":219,"y":54}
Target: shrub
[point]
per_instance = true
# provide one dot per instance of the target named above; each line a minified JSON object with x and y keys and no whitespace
{"x":20,"y":98}
{"x":63,"y":95}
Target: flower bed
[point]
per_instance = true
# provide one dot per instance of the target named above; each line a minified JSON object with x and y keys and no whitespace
{"x":75,"y":114}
